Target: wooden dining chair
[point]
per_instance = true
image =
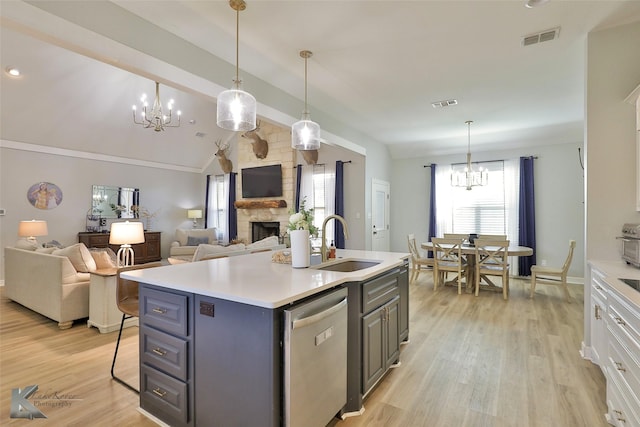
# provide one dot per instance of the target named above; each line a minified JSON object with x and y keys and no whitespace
{"x":553,"y":275}
{"x":418,"y":262}
{"x":492,"y":259}
{"x":447,"y":254}
{"x":128,"y":303}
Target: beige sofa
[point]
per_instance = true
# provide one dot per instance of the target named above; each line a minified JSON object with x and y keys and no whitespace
{"x":205,"y":251}
{"x":53,"y":282}
{"x":187,"y":241}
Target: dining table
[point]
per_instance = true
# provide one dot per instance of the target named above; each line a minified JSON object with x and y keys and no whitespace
{"x":469,"y":253}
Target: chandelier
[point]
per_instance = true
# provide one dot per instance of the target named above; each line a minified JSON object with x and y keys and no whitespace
{"x":469,"y":178}
{"x":157,"y":120}
{"x":305,"y":134}
{"x":236,"y":108}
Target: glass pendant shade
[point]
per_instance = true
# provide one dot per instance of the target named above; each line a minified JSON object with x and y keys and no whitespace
{"x":236,"y":110}
{"x":305,"y":134}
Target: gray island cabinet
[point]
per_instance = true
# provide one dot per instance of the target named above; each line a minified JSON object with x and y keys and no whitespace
{"x":211,"y":334}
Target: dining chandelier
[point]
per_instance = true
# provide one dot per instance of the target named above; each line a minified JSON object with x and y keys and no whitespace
{"x":156,"y":120}
{"x":305,"y":134}
{"x":469,"y":178}
{"x":236,"y":108}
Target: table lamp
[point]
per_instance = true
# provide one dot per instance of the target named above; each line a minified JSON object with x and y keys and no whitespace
{"x":126,"y":234}
{"x":195,"y":215}
{"x":32,"y":229}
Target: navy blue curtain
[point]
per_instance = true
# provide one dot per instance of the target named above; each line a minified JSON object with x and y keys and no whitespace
{"x":206,"y":201}
{"x":339,"y":205}
{"x":233,"y":214}
{"x":298,"y":181}
{"x":526,"y":216}
{"x":432,"y":207}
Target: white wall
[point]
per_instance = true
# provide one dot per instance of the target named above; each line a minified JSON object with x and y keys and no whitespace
{"x":168,"y":191}
{"x":613,"y":71}
{"x":558,"y":183}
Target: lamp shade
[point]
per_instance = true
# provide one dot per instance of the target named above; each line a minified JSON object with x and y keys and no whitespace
{"x":126,"y":233}
{"x":305,"y":135}
{"x":236,"y":110}
{"x":194,"y":213}
{"x":32,"y":228}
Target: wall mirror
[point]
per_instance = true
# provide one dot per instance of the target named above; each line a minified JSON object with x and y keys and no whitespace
{"x":115,"y":202}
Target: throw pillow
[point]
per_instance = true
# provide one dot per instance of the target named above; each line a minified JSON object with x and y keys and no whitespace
{"x":104,"y":258}
{"x":195,"y":241}
{"x":46,"y":250}
{"x":210,"y":233}
{"x":28,"y":245}
{"x":79,"y":256}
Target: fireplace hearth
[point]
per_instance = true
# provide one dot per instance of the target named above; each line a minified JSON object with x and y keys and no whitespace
{"x":260,"y":230}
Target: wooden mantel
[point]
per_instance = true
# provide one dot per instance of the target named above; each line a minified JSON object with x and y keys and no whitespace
{"x":260,"y":204}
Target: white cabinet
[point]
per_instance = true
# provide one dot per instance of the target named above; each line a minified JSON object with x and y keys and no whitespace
{"x":598,"y":313}
{"x":634,"y":98}
{"x":614,"y":317}
{"x":622,"y":366}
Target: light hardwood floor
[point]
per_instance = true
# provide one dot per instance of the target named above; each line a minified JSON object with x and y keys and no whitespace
{"x":471,"y":361}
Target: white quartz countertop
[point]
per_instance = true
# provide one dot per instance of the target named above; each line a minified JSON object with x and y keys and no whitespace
{"x":255,"y":280}
{"x":615,"y":270}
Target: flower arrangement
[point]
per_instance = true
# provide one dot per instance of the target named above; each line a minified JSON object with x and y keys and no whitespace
{"x":302,"y":220}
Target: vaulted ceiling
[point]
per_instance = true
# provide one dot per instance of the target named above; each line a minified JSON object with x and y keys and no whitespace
{"x":376,"y":69}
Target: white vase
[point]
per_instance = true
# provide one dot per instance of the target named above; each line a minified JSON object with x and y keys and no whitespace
{"x":300,"y":249}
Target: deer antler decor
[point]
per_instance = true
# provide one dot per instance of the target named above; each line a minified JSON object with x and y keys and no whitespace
{"x":260,"y":146}
{"x":222,"y":154}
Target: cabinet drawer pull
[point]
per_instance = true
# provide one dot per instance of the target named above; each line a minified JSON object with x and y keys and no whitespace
{"x":619,"y":367}
{"x":619,"y":321}
{"x":159,"y":351}
{"x":619,"y":416}
{"x":159,"y":310}
{"x":159,"y":392}
{"x":598,"y":287}
{"x":596,"y":310}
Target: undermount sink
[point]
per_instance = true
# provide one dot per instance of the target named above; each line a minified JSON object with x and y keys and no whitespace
{"x":347,"y":265}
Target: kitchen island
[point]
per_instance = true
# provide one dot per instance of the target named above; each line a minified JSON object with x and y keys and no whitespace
{"x":211,"y":333}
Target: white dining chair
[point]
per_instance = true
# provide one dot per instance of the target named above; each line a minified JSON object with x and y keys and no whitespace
{"x":448,"y":257}
{"x":492,"y":260}
{"x":418,"y":262}
{"x":550,"y":275}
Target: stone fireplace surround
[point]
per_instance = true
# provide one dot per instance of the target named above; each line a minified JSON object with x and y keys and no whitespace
{"x":280,"y":152}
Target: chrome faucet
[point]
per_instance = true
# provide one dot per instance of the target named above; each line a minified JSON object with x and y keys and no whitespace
{"x":345,"y":229}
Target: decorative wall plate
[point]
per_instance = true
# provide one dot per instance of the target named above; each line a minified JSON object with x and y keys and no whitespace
{"x":44,"y":195}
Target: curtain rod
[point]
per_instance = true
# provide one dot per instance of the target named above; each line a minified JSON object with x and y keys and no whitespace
{"x":483,"y":161}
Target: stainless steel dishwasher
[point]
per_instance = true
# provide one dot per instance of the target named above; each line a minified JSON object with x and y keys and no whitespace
{"x":315,"y":360}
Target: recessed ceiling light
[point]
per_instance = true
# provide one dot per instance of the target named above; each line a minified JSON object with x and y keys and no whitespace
{"x":445,"y":103}
{"x":13,"y":71}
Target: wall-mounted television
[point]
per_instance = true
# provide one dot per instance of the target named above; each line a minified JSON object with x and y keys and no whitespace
{"x":262,"y":181}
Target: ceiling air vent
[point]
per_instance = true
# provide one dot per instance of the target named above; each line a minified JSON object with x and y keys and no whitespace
{"x":543,"y":36}
{"x":447,"y":103}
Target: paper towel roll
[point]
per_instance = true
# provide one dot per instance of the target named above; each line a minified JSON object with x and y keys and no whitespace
{"x":300,"y":248}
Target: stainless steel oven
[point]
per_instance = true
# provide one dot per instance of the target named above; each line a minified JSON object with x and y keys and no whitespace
{"x":631,"y":244}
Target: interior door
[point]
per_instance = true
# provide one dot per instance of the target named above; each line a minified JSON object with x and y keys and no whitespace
{"x":380,"y":215}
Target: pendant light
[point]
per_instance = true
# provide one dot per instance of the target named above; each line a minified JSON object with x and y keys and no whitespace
{"x":236,"y":108}
{"x":469,"y":178}
{"x":305,"y":134}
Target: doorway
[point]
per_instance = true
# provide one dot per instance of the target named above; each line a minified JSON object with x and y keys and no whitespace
{"x":380,"y":199}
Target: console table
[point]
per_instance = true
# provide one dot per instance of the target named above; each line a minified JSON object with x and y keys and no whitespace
{"x":148,"y":251}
